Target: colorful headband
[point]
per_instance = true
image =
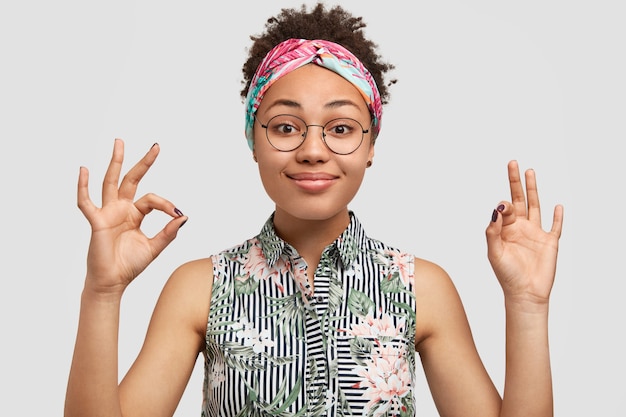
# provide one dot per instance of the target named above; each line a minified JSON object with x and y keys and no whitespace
{"x":294,"y":53}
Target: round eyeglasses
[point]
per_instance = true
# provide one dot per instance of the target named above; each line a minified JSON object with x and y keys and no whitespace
{"x":286,"y":132}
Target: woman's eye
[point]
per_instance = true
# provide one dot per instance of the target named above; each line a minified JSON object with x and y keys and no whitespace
{"x":285,"y":129}
{"x":341,"y":130}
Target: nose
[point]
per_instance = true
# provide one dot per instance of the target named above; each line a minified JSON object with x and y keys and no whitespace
{"x":313,"y":149}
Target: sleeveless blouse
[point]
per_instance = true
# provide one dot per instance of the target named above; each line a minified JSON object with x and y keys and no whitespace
{"x":277,"y":347}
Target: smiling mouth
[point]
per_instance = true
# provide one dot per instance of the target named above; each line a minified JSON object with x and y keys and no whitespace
{"x":313,"y":182}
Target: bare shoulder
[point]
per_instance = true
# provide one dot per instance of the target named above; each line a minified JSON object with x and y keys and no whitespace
{"x":431,"y":279}
{"x":188,"y":290}
{"x":198,"y":269}
{"x":191,"y":278}
{"x":438,"y":303}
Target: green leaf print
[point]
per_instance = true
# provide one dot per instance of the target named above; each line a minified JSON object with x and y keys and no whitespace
{"x":293,"y":395}
{"x":335,"y":294}
{"x":392,"y":283}
{"x":409,"y":312}
{"x":361,"y":350}
{"x":279,"y":360}
{"x":242,"y":358}
{"x":219,"y":297}
{"x":343,"y":409}
{"x":245,"y":284}
{"x":313,"y":369}
{"x":291,"y":314}
{"x":237,"y":255}
{"x":359,"y":303}
{"x":256,"y":407}
{"x":407,"y":409}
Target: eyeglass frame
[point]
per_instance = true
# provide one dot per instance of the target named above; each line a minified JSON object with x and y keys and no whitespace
{"x":304,"y":135}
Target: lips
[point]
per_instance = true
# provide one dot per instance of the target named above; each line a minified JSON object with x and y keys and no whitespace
{"x":313,"y":181}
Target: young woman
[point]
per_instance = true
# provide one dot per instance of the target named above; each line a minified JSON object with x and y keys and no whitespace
{"x":310,"y":317}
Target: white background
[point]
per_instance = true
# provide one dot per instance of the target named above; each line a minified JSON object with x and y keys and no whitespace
{"x":480,"y":83}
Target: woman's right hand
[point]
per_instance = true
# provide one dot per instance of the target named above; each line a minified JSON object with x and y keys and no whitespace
{"x":119,"y":250}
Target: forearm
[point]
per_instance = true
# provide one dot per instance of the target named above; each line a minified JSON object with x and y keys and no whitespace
{"x":528,"y":380}
{"x":93,"y":382}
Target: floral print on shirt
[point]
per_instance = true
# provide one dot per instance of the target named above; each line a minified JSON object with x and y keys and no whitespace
{"x":276,"y":347}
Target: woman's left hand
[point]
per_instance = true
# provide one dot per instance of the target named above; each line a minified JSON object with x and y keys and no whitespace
{"x":523,"y":255}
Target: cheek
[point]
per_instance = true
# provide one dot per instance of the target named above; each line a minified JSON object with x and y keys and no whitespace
{"x":265,"y":170}
{"x":270,"y":171}
{"x":354,"y":172}
{"x":357,"y":165}
{"x":269,"y":182}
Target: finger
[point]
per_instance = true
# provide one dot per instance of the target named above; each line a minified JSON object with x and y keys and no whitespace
{"x":131,"y":180}
{"x":112,"y":175}
{"x":534,"y":209}
{"x":151,"y":201}
{"x":83,"y":200}
{"x":517,"y":190}
{"x":506,"y":212}
{"x":492,"y":233}
{"x":162,"y":239}
{"x":557,"y":221}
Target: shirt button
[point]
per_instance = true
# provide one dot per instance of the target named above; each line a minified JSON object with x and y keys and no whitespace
{"x":319,"y":299}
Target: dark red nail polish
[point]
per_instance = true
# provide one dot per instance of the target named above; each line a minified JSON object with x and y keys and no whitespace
{"x":178,"y":212}
{"x":494,"y":216}
{"x":501,"y":208}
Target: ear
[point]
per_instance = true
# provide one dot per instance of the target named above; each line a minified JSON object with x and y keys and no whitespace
{"x":370,"y":155}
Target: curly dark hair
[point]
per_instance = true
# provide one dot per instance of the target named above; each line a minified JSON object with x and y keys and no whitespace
{"x":334,"y":24}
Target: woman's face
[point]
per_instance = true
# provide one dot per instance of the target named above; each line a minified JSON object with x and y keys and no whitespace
{"x":311,"y":182}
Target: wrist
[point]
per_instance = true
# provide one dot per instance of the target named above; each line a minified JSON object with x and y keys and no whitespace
{"x":102,"y":294}
{"x":526,"y":304}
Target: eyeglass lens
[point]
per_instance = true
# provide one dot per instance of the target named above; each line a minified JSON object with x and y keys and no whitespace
{"x":287,"y":132}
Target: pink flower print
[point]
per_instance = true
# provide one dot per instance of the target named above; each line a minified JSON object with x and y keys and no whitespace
{"x":255,"y":265}
{"x":398,"y":262}
{"x":387,"y":379}
{"x":383,"y":326}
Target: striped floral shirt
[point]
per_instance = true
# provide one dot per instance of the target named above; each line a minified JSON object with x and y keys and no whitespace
{"x":276,"y":347}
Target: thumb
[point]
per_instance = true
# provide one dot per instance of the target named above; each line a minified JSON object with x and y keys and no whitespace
{"x":493,"y":233}
{"x":167,"y":235}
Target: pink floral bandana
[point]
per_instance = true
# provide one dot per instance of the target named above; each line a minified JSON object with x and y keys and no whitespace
{"x":294,"y":53}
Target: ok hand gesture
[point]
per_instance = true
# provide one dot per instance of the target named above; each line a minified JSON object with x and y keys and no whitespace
{"x":119,"y":250}
{"x":522,"y":255}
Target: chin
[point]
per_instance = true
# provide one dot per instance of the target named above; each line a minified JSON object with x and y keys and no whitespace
{"x":311,"y":212}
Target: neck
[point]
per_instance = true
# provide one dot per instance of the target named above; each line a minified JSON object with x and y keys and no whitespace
{"x":310,"y":237}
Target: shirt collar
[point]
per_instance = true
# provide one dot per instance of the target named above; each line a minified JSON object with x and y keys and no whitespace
{"x":348,"y":244}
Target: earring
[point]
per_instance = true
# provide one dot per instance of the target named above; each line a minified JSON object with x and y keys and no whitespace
{"x":369,"y":164}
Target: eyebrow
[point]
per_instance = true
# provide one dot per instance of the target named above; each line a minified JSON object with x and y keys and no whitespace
{"x":296,"y":105}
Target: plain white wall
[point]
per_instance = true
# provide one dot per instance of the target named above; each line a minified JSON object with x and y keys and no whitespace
{"x":479,"y":84}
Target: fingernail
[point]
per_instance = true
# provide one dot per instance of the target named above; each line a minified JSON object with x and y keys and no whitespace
{"x":494,"y":216}
{"x":182,"y":224}
{"x":500,"y":208}
{"x":178,"y":212}
{"x":154,"y":144}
